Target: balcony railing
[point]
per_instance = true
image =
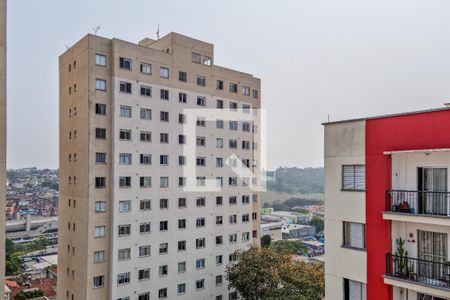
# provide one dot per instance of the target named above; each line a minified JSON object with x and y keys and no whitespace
{"x":431,"y":273}
{"x":418,"y":202}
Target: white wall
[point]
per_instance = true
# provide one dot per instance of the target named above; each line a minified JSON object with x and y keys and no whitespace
{"x":344,"y":144}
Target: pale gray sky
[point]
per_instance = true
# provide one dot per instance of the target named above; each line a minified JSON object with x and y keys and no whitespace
{"x":346,"y":58}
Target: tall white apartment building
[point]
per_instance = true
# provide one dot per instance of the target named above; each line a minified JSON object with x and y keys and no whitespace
{"x":156,"y":147}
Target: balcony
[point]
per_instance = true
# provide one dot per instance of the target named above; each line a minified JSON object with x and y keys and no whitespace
{"x":407,"y":270}
{"x":418,"y":206}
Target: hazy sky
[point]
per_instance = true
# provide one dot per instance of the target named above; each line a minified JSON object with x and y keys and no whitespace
{"x":315,"y":57}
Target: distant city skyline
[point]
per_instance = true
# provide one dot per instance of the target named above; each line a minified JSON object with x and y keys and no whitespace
{"x":343,"y":59}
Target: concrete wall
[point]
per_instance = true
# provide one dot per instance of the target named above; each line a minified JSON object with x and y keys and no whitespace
{"x":344,"y":144}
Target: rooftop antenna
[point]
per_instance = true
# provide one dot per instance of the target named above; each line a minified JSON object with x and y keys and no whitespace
{"x":328,"y":118}
{"x":157,"y":33}
{"x":96,"y":28}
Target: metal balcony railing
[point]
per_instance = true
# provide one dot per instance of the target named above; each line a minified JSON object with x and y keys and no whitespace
{"x":418,"y":202}
{"x":431,"y":273}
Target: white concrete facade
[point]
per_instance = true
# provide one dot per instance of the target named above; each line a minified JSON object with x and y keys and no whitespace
{"x":344,"y":145}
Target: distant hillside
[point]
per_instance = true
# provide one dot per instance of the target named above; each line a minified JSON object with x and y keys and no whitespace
{"x":298,"y":181}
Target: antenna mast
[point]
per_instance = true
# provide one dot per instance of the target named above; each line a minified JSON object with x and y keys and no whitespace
{"x":96,"y":28}
{"x":157,"y":33}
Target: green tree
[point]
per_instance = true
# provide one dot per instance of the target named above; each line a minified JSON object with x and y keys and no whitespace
{"x":264,"y":274}
{"x":318,"y":223}
{"x":266,"y":240}
{"x":12,"y":264}
{"x":289,"y":247}
{"x":24,"y":295}
{"x":9,"y":246}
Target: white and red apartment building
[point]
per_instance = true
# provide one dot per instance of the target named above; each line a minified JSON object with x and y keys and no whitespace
{"x":387,"y":207}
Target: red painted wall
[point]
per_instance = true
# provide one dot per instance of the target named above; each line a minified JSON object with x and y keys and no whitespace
{"x":429,"y":130}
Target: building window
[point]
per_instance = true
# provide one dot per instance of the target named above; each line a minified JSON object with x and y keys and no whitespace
{"x":354,"y":290}
{"x":201,"y":122}
{"x":246,"y":91}
{"x":181,"y":288}
{"x":125,"y":87}
{"x":219,"y":220}
{"x":99,"y":281}
{"x":219,"y":104}
{"x":146,"y":136}
{"x":182,"y":267}
{"x":219,"y":279}
{"x":164,"y":138}
{"x":219,"y":124}
{"x":201,"y":80}
{"x":164,"y":94}
{"x":145,"y":296}
{"x":125,"y":63}
{"x":124,"y":254}
{"x":181,"y":139}
{"x":233,"y":87}
{"x":233,"y":106}
{"x":181,"y":181}
{"x":201,"y":161}
{"x":164,"y":203}
{"x":246,"y":236}
{"x":219,"y":200}
{"x":100,"y":85}
{"x":200,"y":222}
{"x":100,"y":133}
{"x":99,"y":231}
{"x":182,"y":76}
{"x":100,"y":206}
{"x":233,"y":125}
{"x":125,"y":158}
{"x":100,"y":60}
{"x":200,"y":243}
{"x":99,"y":257}
{"x":233,"y":219}
{"x":201,"y":201}
{"x":146,"y":159}
{"x":143,"y":274}
{"x":145,"y":182}
{"x":207,"y":60}
{"x":232,"y":238}
{"x":181,"y":223}
{"x":146,"y":114}
{"x":181,"y":160}
{"x":124,"y":206}
{"x":144,"y":251}
{"x":125,"y":111}
{"x":182,"y":97}
{"x":145,"y":205}
{"x":246,"y":126}
{"x":164,"y":160}
{"x":100,"y":182}
{"x":219,"y":260}
{"x":219,"y":84}
{"x":232,"y":200}
{"x":353,"y":177}
{"x":123,"y":278}
{"x":163,"y":248}
{"x":146,"y":91}
{"x":181,"y":245}
{"x":233,"y":144}
{"x":144,"y":227}
{"x":219,"y":240}
{"x":164,"y":72}
{"x":146,"y":68}
{"x":255,"y":94}
{"x":100,"y":109}
{"x":200,"y":284}
{"x":200,"y":263}
{"x":201,"y":141}
{"x":354,"y":235}
{"x":163,"y":226}
{"x":124,"y":181}
{"x":196,"y":58}
{"x":100,"y":158}
{"x":162,"y":293}
{"x":124,"y":229}
{"x":182,"y":203}
{"x":125,"y":135}
{"x":164,"y":116}
{"x":201,"y":101}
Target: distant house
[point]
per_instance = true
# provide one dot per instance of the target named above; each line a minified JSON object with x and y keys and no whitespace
{"x":272,"y":229}
{"x":295,"y":231}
